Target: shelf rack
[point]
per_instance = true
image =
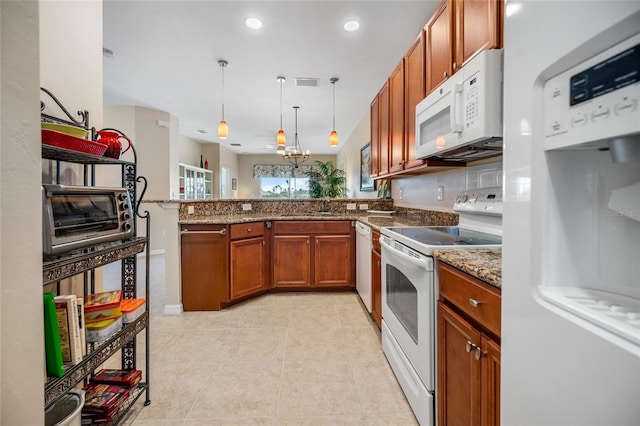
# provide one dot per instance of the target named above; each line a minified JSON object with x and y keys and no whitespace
{"x":86,"y":260}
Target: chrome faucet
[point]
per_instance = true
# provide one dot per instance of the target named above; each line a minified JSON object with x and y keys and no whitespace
{"x":324,"y":205}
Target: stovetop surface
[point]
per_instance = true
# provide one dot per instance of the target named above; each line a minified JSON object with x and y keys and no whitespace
{"x":439,"y":236}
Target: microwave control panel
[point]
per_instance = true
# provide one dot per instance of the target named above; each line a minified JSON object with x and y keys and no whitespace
{"x":596,"y":100}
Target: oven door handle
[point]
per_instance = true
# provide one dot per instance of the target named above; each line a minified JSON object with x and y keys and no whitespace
{"x":421,"y":262}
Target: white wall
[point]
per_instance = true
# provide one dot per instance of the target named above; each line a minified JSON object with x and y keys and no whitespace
{"x":349,"y":157}
{"x":228,"y":159}
{"x":39,"y":43}
{"x":21,"y":319}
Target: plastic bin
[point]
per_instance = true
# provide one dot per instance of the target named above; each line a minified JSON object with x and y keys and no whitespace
{"x":67,"y":411}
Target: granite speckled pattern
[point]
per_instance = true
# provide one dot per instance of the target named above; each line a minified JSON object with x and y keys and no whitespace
{"x":486,"y":265}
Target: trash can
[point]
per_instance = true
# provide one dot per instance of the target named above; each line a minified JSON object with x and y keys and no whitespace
{"x":67,"y":411}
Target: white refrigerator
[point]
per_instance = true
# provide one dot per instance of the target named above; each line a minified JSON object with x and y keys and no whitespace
{"x":571,"y":245}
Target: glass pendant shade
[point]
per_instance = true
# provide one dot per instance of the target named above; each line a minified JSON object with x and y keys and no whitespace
{"x":223,"y":130}
{"x":333,"y":138}
{"x":281,"y":138}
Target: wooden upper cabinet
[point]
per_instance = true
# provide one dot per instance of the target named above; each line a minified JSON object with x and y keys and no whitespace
{"x":396,"y":119}
{"x":478,"y":26}
{"x":457,"y":31}
{"x":374,"y":155}
{"x":383,"y":132}
{"x":414,"y":85}
{"x":439,"y":45}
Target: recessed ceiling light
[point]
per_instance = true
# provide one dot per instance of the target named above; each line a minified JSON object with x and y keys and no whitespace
{"x":253,"y":23}
{"x":351,"y":26}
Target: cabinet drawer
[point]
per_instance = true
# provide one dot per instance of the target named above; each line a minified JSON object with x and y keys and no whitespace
{"x":307,"y":227}
{"x":375,"y":240}
{"x":244,"y":230}
{"x":477,"y":299}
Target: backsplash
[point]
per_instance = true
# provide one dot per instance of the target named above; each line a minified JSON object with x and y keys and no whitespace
{"x":205,"y":208}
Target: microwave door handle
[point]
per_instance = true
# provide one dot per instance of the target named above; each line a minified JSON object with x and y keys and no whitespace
{"x":456,"y":127}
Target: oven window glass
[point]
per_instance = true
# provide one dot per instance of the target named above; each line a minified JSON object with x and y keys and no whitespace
{"x":77,"y":213}
{"x":402,"y":299}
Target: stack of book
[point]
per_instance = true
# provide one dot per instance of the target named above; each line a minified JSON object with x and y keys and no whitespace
{"x":65,"y":337}
{"x":106,"y":393}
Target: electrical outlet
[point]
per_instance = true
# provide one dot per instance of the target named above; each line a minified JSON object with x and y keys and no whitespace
{"x":364,"y":206}
{"x":401,"y":193}
{"x":440,"y":193}
{"x":246,"y":206}
{"x":190,"y":209}
{"x":351,"y":206}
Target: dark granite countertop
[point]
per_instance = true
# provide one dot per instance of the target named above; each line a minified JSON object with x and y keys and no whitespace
{"x":229,"y":219}
{"x":483,"y":264}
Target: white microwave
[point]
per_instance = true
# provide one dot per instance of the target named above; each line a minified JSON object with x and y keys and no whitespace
{"x":461,"y":120}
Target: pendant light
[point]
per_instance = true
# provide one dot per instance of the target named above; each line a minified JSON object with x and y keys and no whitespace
{"x":281,"y":139}
{"x":294,"y":154}
{"x":333,"y":137}
{"x":223,"y":128}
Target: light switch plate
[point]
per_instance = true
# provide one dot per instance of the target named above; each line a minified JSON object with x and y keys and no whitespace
{"x":190,"y":209}
{"x":364,"y":206}
{"x":351,"y":206}
{"x":246,"y":206}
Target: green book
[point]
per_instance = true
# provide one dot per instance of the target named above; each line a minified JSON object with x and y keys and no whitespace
{"x":53,"y":351}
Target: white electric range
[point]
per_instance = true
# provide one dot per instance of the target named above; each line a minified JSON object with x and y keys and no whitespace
{"x":409,"y":290}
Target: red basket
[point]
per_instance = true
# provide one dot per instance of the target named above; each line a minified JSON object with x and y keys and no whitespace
{"x":63,"y":140}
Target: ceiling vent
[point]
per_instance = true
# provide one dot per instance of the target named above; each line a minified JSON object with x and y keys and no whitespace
{"x":235,"y":144}
{"x":306,"y":82}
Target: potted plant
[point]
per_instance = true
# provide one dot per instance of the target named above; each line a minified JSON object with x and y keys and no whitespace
{"x":325,"y":181}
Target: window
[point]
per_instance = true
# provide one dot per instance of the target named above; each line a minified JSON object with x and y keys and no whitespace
{"x":278,"y":187}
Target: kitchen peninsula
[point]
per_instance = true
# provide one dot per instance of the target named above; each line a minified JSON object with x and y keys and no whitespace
{"x":254,"y":236}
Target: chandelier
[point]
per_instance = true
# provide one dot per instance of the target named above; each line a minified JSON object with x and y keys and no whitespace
{"x":294,"y":154}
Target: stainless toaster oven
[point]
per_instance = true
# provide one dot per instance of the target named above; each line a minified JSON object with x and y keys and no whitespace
{"x":75,"y":217}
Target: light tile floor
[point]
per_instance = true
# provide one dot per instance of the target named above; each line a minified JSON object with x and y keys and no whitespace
{"x":278,"y":359}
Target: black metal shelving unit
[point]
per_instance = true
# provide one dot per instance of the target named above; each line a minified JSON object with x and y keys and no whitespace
{"x":84,"y":262}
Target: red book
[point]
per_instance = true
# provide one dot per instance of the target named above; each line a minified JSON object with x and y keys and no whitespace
{"x":102,"y":398}
{"x":125,"y":378}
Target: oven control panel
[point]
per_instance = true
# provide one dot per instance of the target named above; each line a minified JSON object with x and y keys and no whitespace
{"x":481,"y":200}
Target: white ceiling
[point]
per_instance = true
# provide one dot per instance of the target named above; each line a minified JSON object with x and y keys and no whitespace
{"x":166,"y":58}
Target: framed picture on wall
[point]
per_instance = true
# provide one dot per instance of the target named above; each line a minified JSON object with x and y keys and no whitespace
{"x":366,"y":183}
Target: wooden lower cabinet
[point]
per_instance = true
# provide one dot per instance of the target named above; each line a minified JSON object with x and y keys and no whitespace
{"x":468,"y":389}
{"x":204,"y":267}
{"x":247,"y":267}
{"x":376,"y":287}
{"x":292,"y":261}
{"x":313,"y":254}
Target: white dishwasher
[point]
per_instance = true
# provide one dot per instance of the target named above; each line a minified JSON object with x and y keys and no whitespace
{"x":363,"y":263}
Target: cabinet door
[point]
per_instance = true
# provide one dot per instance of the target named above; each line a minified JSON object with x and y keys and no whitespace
{"x":396,"y":119}
{"x":490,"y":392}
{"x":374,"y":155}
{"x":477,"y":27}
{"x":292,"y":261}
{"x":332,"y":260}
{"x":458,"y":370}
{"x":247,"y":266}
{"x":383,"y":121}
{"x":414,"y":86}
{"x":204,"y":265}
{"x":376,"y":287}
{"x":439,"y":45}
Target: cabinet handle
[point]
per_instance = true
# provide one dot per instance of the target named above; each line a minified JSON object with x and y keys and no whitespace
{"x":186,"y":231}
{"x":479,"y":353}
{"x":445,"y":74}
{"x":469,"y":346}
{"x":248,"y":229}
{"x":307,"y":242}
{"x":317,"y":242}
{"x":379,"y":264}
{"x":475,"y":303}
{"x":455,"y":65}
